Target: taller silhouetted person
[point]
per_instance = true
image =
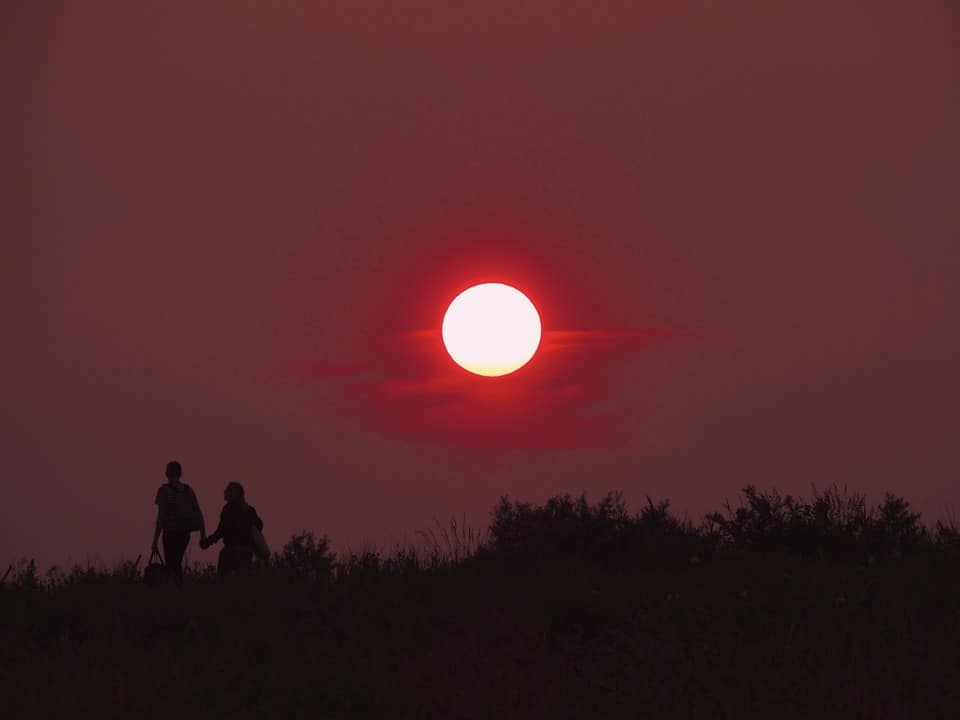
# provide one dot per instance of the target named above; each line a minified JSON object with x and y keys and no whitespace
{"x":237,"y":521}
{"x":178,"y":515}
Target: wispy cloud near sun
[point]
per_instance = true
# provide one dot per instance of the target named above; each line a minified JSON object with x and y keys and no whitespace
{"x":409,"y":388}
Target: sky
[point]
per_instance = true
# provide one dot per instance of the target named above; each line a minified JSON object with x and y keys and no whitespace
{"x":229,"y":231}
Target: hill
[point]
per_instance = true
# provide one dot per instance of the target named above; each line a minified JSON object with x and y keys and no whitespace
{"x":777,"y":608}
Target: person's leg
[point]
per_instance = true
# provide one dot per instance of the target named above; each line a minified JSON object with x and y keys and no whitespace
{"x":235,"y":559}
{"x":174,"y":546}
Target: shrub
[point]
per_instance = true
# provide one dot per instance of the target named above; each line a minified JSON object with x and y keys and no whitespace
{"x":761,"y":523}
{"x":893,"y":529}
{"x":306,"y":556}
{"x":567,"y":526}
{"x":563,"y":524}
{"x":22,"y":575}
{"x":834,"y":522}
{"x":946,"y":536}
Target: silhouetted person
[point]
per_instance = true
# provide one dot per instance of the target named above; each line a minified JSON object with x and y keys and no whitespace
{"x":237,"y":519}
{"x":178,"y":514}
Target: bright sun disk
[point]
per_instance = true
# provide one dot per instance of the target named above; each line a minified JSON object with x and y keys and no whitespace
{"x":491,"y":329}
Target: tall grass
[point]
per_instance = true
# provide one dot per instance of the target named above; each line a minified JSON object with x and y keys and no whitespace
{"x":775,"y":606}
{"x":451,"y":543}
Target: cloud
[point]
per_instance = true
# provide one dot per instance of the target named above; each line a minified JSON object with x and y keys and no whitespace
{"x":611,"y":340}
{"x":409,"y":388}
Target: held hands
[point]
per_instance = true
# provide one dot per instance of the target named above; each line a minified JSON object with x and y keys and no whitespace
{"x":204,"y":543}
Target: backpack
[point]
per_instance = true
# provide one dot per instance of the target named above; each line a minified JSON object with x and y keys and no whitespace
{"x":260,"y":547}
{"x":182,"y":510}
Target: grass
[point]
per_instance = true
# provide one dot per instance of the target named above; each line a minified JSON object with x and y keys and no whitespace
{"x":561,"y":610}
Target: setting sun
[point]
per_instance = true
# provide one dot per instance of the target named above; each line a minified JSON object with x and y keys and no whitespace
{"x":491,"y":329}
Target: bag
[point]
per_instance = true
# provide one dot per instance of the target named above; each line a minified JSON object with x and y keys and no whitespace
{"x":260,"y":548}
{"x":155,"y":572}
{"x":190,"y":510}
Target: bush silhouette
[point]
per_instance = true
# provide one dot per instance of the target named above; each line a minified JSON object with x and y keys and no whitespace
{"x":568,"y":526}
{"x":834,"y":522}
{"x":306,"y":557}
{"x":893,"y":530}
{"x":946,"y":536}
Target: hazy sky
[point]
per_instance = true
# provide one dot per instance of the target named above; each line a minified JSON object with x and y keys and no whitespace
{"x":230,"y":230}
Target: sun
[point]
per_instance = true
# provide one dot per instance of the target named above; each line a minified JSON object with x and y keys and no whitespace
{"x":491,"y":329}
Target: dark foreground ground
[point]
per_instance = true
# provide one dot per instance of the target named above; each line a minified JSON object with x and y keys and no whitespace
{"x":666,"y":625}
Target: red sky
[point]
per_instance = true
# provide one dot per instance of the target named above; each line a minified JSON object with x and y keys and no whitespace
{"x":229,"y":234}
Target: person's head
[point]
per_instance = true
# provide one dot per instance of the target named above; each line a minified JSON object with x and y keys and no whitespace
{"x":174,"y":471}
{"x":234,"y":493}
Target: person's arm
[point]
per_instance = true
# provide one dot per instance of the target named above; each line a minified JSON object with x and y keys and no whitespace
{"x":256,"y":520}
{"x":156,"y":528}
{"x":203,"y":527}
{"x":218,"y":533}
{"x":156,"y":533}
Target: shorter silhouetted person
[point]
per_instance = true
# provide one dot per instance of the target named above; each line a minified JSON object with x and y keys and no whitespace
{"x":237,"y":520}
{"x":178,"y":515}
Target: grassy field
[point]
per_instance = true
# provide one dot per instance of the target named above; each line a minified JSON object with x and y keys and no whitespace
{"x":565,"y":610}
